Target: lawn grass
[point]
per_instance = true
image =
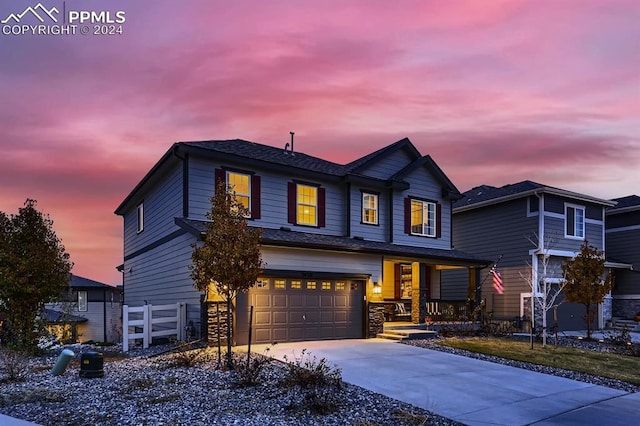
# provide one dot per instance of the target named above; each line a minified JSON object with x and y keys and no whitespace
{"x":626,"y":368}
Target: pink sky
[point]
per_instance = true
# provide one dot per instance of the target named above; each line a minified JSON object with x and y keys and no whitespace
{"x":495,"y":91}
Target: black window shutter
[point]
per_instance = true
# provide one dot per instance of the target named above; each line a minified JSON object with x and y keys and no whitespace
{"x":407,"y":215}
{"x":438,"y":220}
{"x":220,"y":176}
{"x":571,"y":216}
{"x":322,"y":201}
{"x":255,"y":197}
{"x":291,"y":202}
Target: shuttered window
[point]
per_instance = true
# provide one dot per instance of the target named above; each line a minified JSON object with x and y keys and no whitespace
{"x":306,"y":204}
{"x":246,"y":187}
{"x":423,"y":218}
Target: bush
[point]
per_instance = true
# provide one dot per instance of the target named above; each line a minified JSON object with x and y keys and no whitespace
{"x":14,"y":365}
{"x":250,"y":374}
{"x":313,"y":383}
{"x":619,"y":337}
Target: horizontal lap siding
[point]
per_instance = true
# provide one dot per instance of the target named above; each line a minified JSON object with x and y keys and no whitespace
{"x":369,"y":232}
{"x":624,"y":246}
{"x":161,"y":275}
{"x":495,"y":230}
{"x":423,"y":185}
{"x":454,"y":284}
{"x":273,"y":198}
{"x":161,"y":206}
{"x":389,"y":165}
{"x":322,"y":261}
{"x":555,"y":228}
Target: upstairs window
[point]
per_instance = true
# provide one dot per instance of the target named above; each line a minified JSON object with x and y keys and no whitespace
{"x":306,"y":204}
{"x":140,"y":218}
{"x":82,"y":301}
{"x":240,"y":185}
{"x":369,"y":208}
{"x":246,"y":187}
{"x":574,"y":221}
{"x":422,"y":217}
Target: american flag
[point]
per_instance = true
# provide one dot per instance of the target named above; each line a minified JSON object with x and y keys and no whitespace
{"x":497,"y":281}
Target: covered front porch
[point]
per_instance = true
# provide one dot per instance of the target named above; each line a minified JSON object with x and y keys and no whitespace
{"x":419,"y":291}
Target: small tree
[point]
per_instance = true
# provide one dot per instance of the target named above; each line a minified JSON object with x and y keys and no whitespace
{"x":230,"y":258}
{"x":34,"y":270}
{"x":584,"y":281}
{"x":548,"y":293}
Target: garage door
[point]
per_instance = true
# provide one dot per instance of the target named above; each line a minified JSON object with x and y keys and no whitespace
{"x":291,"y":309}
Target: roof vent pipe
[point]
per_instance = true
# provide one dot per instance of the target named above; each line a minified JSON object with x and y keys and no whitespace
{"x":292,"y":133}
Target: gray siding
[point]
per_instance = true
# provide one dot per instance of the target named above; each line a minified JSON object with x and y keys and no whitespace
{"x":378,"y":232}
{"x":423,"y":185}
{"x":273,"y":198}
{"x":389,"y":165}
{"x":555,"y":227}
{"x":500,"y":229}
{"x":454,"y":284}
{"x":623,"y":245}
{"x":161,"y":205}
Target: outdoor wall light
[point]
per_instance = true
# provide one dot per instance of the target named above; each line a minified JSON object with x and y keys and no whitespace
{"x":377,"y":288}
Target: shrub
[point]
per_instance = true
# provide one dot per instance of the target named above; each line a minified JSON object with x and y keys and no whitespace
{"x":14,"y":365}
{"x":619,"y":337}
{"x":313,"y":383}
{"x":410,"y":418}
{"x":250,"y":373}
{"x":187,"y":358}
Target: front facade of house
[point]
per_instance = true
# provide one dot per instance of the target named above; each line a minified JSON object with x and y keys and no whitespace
{"x":524,"y":223}
{"x":341,"y":243}
{"x":623,"y":246}
{"x":88,"y":311}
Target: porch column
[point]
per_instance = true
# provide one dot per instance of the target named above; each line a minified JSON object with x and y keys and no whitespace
{"x":420,"y":292}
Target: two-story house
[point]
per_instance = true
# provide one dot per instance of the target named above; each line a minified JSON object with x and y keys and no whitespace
{"x":623,"y":246}
{"x":336,"y":238}
{"x":525,"y":223}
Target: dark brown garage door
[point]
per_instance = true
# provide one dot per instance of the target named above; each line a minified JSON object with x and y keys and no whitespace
{"x":291,"y":309}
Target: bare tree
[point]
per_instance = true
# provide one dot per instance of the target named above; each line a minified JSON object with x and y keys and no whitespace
{"x":230,"y":257}
{"x":539,"y":281}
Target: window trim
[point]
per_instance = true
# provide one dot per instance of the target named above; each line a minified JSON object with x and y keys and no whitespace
{"x":83,"y":306}
{"x":364,"y":209}
{"x":576,"y":208}
{"x":424,"y":203}
{"x":249,"y":195}
{"x":300,"y":205}
{"x":140,"y":217}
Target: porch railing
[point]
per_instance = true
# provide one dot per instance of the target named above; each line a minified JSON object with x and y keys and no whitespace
{"x":448,"y":310}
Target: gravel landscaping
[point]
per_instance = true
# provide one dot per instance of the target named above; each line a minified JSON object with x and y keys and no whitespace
{"x":144,"y":389}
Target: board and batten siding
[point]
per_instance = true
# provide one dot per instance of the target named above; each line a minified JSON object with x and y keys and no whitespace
{"x":273,"y":198}
{"x":379,"y":232}
{"x":424,"y":186}
{"x":161,"y":205}
{"x":389,"y":165}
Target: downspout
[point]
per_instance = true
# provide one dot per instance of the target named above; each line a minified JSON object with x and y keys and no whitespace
{"x":390,"y":221}
{"x":348,"y":209}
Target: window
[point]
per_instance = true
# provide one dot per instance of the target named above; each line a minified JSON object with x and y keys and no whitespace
{"x":423,"y":218}
{"x":311,"y":285}
{"x":340,"y":285}
{"x":574,"y":221}
{"x":82,"y":301}
{"x":369,"y":208}
{"x":306,"y":204}
{"x":326,"y":285}
{"x":279,"y":284}
{"x":296,"y":284}
{"x":140,"y":218}
{"x":240,"y":184}
{"x":262,"y":283}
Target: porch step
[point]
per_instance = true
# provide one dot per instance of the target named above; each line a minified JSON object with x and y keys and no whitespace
{"x":407,"y":334}
{"x":621,"y":324}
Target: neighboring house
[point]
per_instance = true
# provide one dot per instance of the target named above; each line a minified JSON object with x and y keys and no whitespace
{"x":341,"y":243}
{"x":88,"y":311}
{"x":524,"y":222}
{"x":623,"y":246}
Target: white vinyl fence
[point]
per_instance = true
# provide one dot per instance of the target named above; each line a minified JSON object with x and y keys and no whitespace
{"x":155,"y":321}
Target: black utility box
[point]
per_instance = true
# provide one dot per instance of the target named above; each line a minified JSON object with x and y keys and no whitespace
{"x":92,"y":364}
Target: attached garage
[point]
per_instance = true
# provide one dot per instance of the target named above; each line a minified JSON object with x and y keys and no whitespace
{"x":315,"y":307}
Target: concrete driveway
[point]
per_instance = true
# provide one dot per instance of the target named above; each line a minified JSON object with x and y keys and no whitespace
{"x":468,"y":390}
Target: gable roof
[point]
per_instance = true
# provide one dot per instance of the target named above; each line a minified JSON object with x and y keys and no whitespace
{"x":485,"y":195}
{"x":56,"y":317}
{"x":426,"y":161}
{"x":267,"y":157}
{"x":78,"y":281}
{"x":625,"y":204}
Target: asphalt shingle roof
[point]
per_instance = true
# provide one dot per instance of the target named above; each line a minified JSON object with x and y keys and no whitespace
{"x":487,"y":192}
{"x":256,"y":151}
{"x":624,"y":202}
{"x":331,"y":242}
{"x":77,"y":281}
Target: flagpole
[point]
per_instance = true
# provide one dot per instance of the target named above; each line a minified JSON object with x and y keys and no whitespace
{"x":479,"y":286}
